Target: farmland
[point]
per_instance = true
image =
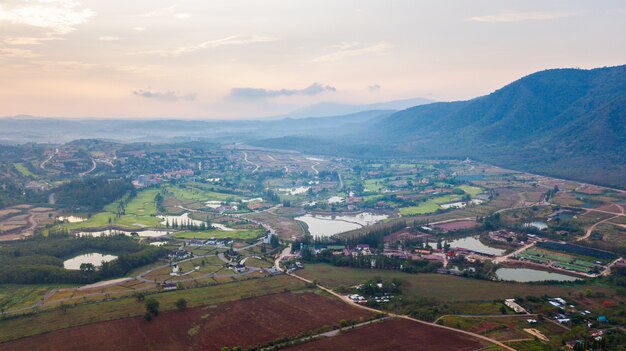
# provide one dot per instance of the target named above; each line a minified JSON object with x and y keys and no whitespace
{"x":396,"y":334}
{"x":245,"y":323}
{"x":437,"y":286}
{"x":56,"y":319}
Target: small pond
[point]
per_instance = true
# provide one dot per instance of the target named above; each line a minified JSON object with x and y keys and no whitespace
{"x":94,"y":258}
{"x":524,"y":275}
{"x":474,"y":244}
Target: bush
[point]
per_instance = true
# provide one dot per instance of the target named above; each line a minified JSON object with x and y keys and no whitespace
{"x":152,"y":306}
{"x":181,"y":304}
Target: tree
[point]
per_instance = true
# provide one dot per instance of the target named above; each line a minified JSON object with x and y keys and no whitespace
{"x":152,"y":306}
{"x":181,"y":304}
{"x":147,"y":316}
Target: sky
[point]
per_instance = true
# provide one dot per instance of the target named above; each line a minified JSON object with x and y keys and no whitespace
{"x":228,"y":59}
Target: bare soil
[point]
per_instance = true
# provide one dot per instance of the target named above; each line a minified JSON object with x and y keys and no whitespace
{"x":241,"y":323}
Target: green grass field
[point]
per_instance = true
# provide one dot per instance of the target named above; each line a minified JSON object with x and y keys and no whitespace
{"x":20,"y":167}
{"x":439,"y":286}
{"x":19,"y":327}
{"x":429,"y":206}
{"x":472,"y":190}
{"x":195,"y":194}
{"x":140,"y":212}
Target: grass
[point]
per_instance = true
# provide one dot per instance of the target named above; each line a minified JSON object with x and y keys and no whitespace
{"x":20,"y":167}
{"x":140,"y":212}
{"x":429,"y":206}
{"x":472,"y":190}
{"x":197,"y":194}
{"x":24,"y":326}
{"x":242,"y":234}
{"x":18,"y":296}
{"x":439,"y":286}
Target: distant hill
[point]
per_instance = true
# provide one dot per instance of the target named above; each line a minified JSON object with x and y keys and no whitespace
{"x":328,"y":109}
{"x":568,"y":123}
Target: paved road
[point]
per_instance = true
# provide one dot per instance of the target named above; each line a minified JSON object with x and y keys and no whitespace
{"x":245,"y":157}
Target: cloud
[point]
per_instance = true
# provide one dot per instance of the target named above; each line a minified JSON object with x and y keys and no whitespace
{"x":353,"y":50}
{"x":29,"y":40}
{"x":138,"y":29}
{"x":16,"y":53}
{"x":168,"y":96}
{"x":520,"y":16}
{"x":58,"y":16}
{"x":374,"y":87}
{"x":166,"y":11}
{"x":108,"y":38}
{"x":260,"y":93}
{"x":232,"y":40}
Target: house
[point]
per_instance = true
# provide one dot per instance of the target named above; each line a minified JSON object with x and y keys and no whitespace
{"x":510,"y":303}
{"x":175,"y":269}
{"x":603,"y":319}
{"x":168,"y":286}
{"x":196,"y":242}
{"x":179,"y":254}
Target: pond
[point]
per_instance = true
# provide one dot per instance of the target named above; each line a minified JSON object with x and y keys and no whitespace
{"x":325,"y":225}
{"x":537,"y":224}
{"x":71,"y":219}
{"x":335,"y":200}
{"x":94,"y":258}
{"x":180,"y":220}
{"x":474,"y":244}
{"x":524,"y":275}
{"x":295,"y":191}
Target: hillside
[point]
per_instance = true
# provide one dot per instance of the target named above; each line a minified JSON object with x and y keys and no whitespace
{"x":568,"y":123}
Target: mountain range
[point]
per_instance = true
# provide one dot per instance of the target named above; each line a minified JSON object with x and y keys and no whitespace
{"x":568,"y":123}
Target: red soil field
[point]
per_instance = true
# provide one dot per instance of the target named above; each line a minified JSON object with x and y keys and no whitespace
{"x":609,"y":208}
{"x":456,"y":225}
{"x":241,"y":323}
{"x":395,"y":334}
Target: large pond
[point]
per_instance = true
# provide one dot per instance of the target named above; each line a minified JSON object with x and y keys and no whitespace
{"x":474,"y":244}
{"x":94,"y":258}
{"x":325,"y":225}
{"x":524,"y":275}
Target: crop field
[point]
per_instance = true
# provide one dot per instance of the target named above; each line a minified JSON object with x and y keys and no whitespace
{"x":20,"y":167}
{"x":560,"y":260}
{"x":18,"y":296}
{"x":23,"y":326}
{"x":507,"y":329}
{"x":396,"y":334}
{"x":438,"y":286}
{"x":243,"y":323}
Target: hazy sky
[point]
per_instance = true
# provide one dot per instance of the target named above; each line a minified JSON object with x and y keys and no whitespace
{"x":243,"y":58}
